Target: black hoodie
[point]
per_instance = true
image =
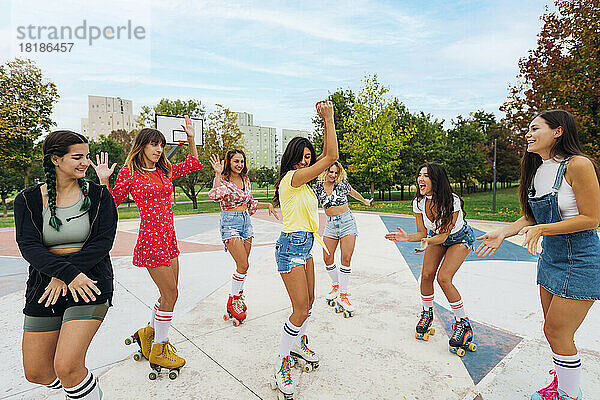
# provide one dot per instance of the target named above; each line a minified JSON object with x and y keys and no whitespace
{"x":93,"y":259}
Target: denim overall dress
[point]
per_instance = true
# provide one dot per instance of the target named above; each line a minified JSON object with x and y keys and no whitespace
{"x":569,"y":264}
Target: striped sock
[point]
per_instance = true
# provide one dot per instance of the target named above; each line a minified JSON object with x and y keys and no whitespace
{"x":568,"y":372}
{"x":55,"y":385}
{"x":427,"y":301}
{"x":237,"y":282}
{"x":459,"y":310}
{"x":333,"y":273}
{"x":162,"y":322}
{"x":153,"y":313}
{"x":302,"y":330}
{"x":344,"y":278}
{"x":88,"y":389}
{"x":290,"y":333}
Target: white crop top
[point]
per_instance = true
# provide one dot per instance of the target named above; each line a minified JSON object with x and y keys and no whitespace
{"x":419,"y":208}
{"x":543,"y":182}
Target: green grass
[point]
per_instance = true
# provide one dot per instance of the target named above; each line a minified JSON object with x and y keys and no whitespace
{"x":477,"y":206}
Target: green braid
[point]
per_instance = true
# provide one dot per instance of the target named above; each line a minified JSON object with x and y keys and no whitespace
{"x":87,"y":203}
{"x":50,"y":175}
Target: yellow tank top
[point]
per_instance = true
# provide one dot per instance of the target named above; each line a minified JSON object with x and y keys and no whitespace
{"x":299,"y":207}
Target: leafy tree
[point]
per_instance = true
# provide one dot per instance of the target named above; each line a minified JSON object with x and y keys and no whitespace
{"x":343,"y":101}
{"x":124,"y":138}
{"x":563,"y":71}
{"x":265,"y":176}
{"x":26,"y":103}
{"x":114,"y":149}
{"x":9,"y":183}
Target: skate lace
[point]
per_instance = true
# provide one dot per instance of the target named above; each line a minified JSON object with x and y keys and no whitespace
{"x":285,"y":370}
{"x":169,"y":350}
{"x":237,"y":305}
{"x":334,"y":289}
{"x":459,"y":330}
{"x":425,"y":318}
{"x":344,"y":298}
{"x":304,"y":345}
{"x":550,"y":392}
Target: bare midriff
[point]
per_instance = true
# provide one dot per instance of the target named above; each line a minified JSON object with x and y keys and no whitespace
{"x":66,"y":250}
{"x":336,"y":210}
{"x":239,"y":209}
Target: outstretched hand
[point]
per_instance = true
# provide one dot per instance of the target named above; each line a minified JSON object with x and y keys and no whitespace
{"x":101,"y":167}
{"x":273,"y":212}
{"x":491,"y":242}
{"x":400,"y":236}
{"x":217,"y":164}
{"x":189,"y":127}
{"x":424,"y":245}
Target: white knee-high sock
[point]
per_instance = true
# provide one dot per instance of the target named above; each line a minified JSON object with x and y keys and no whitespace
{"x":237,"y":283}
{"x":344,"y":278}
{"x":162,"y":323}
{"x":55,"y":385}
{"x":302,"y":330}
{"x":459,"y":310}
{"x":288,"y":336}
{"x":427,"y":300}
{"x":333,"y":273}
{"x":153,"y":313}
{"x":568,"y":372}
{"x":87,"y":389}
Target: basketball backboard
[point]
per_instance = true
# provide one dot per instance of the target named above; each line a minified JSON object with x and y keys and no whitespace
{"x":173,"y":131}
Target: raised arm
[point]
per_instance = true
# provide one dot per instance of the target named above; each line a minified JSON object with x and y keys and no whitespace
{"x":359,"y":197}
{"x":190,"y":131}
{"x":330,"y":147}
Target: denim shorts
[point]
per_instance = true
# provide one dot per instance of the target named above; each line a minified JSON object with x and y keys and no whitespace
{"x":293,"y":249}
{"x":235,"y":224}
{"x":464,"y":236}
{"x":341,"y":225}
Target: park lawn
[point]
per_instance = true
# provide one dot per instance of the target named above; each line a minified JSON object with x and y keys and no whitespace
{"x":477,"y":206}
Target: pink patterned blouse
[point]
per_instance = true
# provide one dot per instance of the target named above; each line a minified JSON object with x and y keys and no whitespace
{"x":231,"y":196}
{"x":156,"y":244}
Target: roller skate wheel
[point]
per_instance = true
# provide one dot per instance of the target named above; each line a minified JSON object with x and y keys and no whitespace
{"x":308,"y":367}
{"x":225,"y":317}
{"x":460,"y":352}
{"x":426,"y":336}
{"x":452,"y":349}
{"x":330,"y":303}
{"x":472,"y":347}
{"x":432,"y":331}
{"x":338,"y":309}
{"x":137,"y":356}
{"x":153,"y":375}
{"x":316,"y":365}
{"x":293,"y":361}
{"x":235,"y":322}
{"x":347,"y":314}
{"x":129,"y":340}
{"x":173,"y":374}
{"x":418,"y":335}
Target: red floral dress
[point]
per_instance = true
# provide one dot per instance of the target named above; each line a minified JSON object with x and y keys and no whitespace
{"x":157,"y":243}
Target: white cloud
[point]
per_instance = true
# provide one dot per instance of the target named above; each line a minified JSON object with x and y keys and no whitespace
{"x":150,"y":81}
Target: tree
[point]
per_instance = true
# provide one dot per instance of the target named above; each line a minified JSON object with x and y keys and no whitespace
{"x":265,"y":176}
{"x":373,"y":140}
{"x":9,"y":182}
{"x":124,"y":138}
{"x":114,"y":149}
{"x":563,"y":71}
{"x":26,"y":103}
{"x":343,"y":101}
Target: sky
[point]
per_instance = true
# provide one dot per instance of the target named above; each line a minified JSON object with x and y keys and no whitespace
{"x":275,"y":59}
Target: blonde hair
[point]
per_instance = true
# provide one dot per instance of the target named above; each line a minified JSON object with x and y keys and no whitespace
{"x":135,"y":158}
{"x":341,"y":173}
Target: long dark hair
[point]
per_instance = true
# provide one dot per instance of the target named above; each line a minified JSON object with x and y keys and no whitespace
{"x":292,"y":155}
{"x":442,"y":196}
{"x":57,"y":144}
{"x":566,"y":145}
{"x":135,"y":158}
{"x":227,"y":167}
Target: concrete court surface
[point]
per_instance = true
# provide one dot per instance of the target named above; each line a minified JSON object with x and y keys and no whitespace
{"x":373,"y":355}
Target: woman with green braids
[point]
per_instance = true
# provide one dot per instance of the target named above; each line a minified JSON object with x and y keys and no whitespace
{"x":65,"y":229}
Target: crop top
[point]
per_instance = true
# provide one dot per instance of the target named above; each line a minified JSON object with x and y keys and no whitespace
{"x":230,"y":196}
{"x":419,"y":207}
{"x":338,"y":197}
{"x":74,"y":230}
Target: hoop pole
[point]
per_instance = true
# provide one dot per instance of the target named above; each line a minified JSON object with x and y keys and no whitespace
{"x":174,"y":149}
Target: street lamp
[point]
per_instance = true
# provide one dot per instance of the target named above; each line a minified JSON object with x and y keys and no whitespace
{"x":495,"y":136}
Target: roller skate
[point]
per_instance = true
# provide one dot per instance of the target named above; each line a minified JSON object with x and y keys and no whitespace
{"x":163,"y":355}
{"x":143,"y":337}
{"x":332,"y":295}
{"x":235,"y":310}
{"x":552,"y":392}
{"x":281,"y":380}
{"x":243,"y":301}
{"x":303,"y":356}
{"x":462,"y":338}
{"x":342,"y":305}
{"x":424,"y":329}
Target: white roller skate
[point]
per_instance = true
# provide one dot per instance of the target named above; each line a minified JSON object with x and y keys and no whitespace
{"x":303,"y":356}
{"x":343,"y":305}
{"x":331,"y":296}
{"x":282,"y":380}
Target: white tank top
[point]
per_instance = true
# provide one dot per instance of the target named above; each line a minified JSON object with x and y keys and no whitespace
{"x":543,"y":182}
